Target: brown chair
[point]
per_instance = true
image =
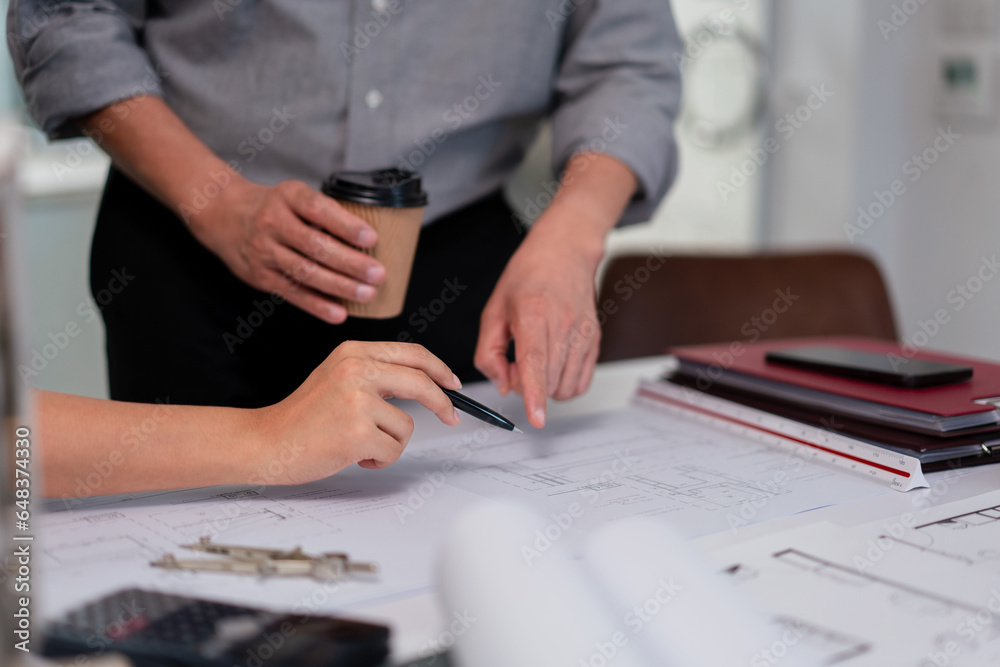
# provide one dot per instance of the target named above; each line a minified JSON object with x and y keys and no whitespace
{"x":649,"y":303}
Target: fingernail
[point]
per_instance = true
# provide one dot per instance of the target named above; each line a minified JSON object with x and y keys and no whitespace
{"x":540,"y":416}
{"x":366,"y":237}
{"x":455,"y":381}
{"x":364,"y":293}
{"x":457,"y":417}
{"x":375,"y":274}
{"x":336,"y":315}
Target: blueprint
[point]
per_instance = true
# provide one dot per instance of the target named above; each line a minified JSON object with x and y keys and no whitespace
{"x":634,"y":462}
{"x":582,"y":471}
{"x":920,"y":588}
{"x":90,"y":551}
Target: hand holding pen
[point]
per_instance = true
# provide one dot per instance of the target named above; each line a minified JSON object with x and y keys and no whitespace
{"x":480,"y":411}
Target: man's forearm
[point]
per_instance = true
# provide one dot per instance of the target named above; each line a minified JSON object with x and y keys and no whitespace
{"x":593,"y":193}
{"x":151,"y":144}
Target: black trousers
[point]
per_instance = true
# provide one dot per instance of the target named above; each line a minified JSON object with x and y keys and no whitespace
{"x":182,"y":329}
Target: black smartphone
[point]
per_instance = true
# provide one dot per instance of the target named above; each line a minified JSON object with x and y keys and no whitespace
{"x":873,"y":367}
{"x":159,"y":630}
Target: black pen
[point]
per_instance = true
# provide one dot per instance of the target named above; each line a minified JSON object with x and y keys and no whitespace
{"x":480,"y":411}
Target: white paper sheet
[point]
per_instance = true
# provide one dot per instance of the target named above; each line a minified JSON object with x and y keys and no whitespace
{"x":634,"y":462}
{"x":918,"y":589}
{"x":580,"y":472}
{"x":90,"y":551}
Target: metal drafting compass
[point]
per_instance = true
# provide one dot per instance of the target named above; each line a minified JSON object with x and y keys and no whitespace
{"x":267,"y":562}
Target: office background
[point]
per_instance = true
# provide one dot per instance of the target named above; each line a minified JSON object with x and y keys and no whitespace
{"x":798,"y":115}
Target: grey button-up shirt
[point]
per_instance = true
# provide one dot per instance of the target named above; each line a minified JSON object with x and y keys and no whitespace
{"x":300,"y":88}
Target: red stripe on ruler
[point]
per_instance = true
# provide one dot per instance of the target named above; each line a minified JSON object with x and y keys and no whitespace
{"x":666,"y":399}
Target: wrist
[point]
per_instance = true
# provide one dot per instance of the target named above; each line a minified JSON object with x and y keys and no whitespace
{"x":209,"y":197}
{"x":563,"y":226}
{"x":247,"y":444}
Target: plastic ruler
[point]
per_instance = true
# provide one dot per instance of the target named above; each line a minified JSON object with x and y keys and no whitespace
{"x":897,"y":471}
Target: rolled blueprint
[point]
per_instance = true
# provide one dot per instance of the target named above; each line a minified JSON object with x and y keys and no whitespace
{"x":527,"y":601}
{"x":678,"y":607}
{"x":640,"y":595}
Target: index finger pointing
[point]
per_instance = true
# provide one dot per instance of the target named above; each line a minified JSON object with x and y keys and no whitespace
{"x":531,"y":348}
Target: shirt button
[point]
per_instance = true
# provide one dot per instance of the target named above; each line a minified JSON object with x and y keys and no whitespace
{"x":380,"y":5}
{"x":373,"y":99}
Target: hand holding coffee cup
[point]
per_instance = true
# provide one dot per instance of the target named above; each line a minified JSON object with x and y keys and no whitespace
{"x":392,"y":201}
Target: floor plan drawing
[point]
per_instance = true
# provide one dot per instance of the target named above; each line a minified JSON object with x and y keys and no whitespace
{"x":971,"y":538}
{"x":633,"y":462}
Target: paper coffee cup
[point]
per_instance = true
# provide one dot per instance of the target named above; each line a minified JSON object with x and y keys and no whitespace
{"x":392,"y":201}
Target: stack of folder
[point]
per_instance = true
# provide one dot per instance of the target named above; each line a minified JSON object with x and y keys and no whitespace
{"x":946,"y":426}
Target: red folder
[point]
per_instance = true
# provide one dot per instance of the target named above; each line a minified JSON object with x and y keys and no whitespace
{"x":944,"y":401}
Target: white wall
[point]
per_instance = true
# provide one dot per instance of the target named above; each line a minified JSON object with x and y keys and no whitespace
{"x":65,"y":347}
{"x":694,"y":214}
{"x":816,"y":44}
{"x":934,"y":236}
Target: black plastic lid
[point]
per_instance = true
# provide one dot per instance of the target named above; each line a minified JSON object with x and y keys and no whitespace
{"x":393,"y":188}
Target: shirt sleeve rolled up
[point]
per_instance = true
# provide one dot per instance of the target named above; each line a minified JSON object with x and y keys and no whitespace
{"x":618,"y":91}
{"x":73,"y":57}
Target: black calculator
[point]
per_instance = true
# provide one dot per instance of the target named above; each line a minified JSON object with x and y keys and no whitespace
{"x":161,"y":630}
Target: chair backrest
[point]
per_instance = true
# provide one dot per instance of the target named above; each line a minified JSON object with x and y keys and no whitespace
{"x":649,"y":303}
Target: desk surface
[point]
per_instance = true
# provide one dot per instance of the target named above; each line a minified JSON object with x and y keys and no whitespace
{"x":416,"y":619}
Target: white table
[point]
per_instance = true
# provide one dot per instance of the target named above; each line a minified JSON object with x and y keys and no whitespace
{"x":417,"y":622}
